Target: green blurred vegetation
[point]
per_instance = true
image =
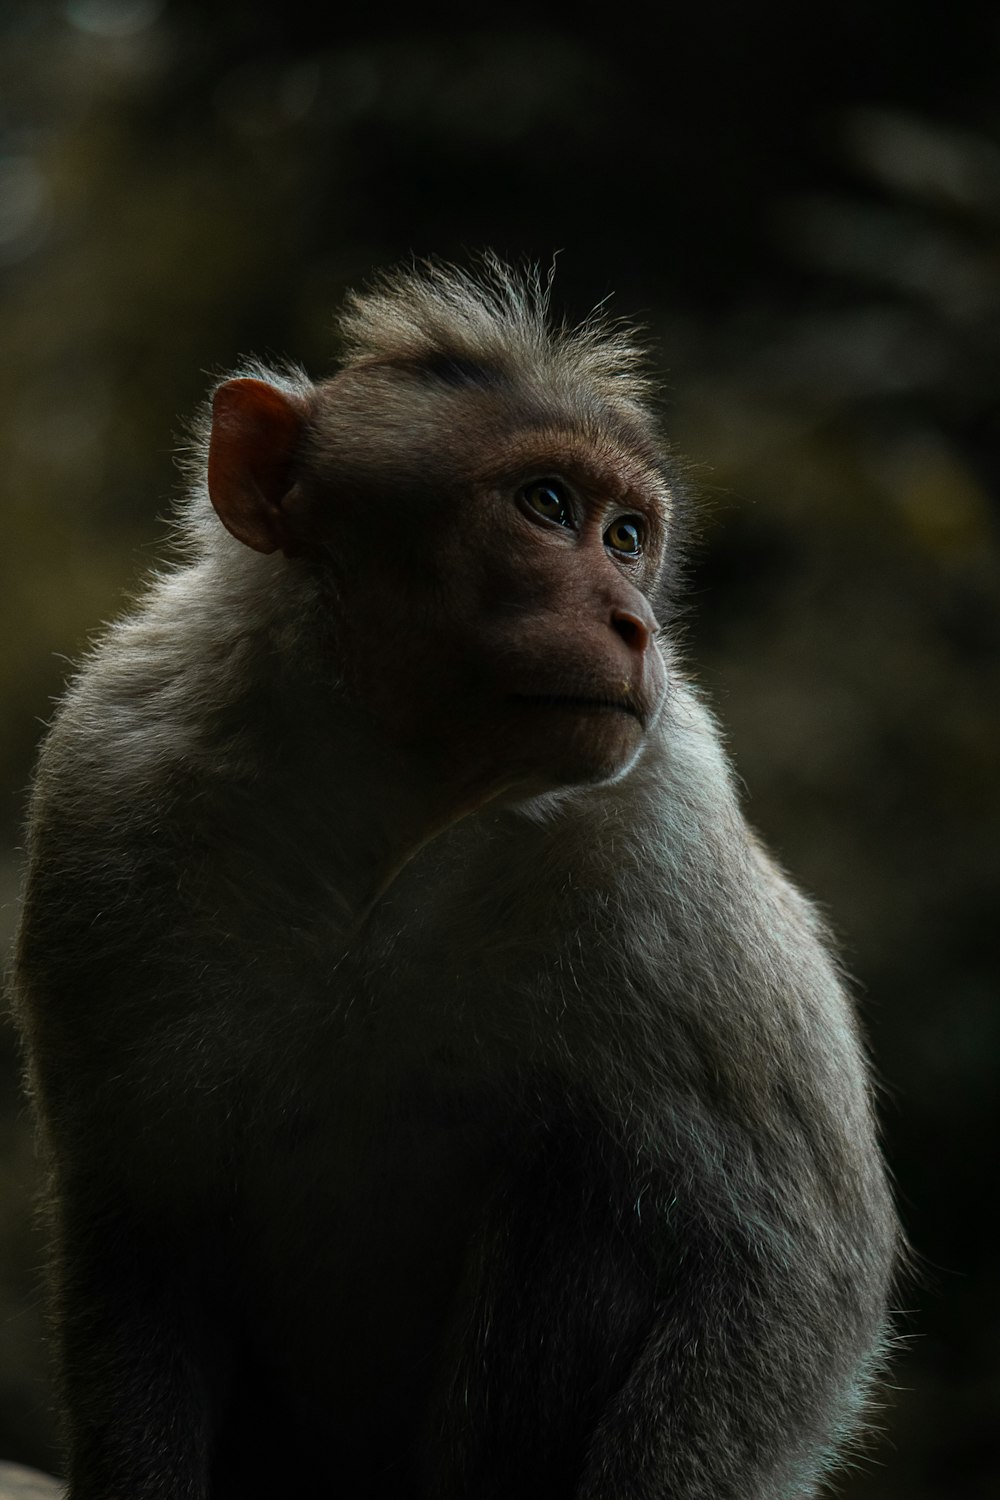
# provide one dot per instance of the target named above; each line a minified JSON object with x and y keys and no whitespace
{"x":804,"y":207}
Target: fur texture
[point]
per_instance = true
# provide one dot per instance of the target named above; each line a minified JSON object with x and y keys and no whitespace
{"x":552,"y":1171}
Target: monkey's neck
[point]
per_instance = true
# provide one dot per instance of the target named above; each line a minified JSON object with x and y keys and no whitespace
{"x":377,"y":809}
{"x":423,"y":834}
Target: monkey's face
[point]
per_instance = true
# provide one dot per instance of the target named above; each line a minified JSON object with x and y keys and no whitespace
{"x":492,"y":570}
{"x":505,"y":632}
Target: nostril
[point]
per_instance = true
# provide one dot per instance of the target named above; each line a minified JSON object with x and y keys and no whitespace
{"x":634,"y":632}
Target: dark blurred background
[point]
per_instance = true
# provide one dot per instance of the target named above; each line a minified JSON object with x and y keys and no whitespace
{"x":803,"y":206}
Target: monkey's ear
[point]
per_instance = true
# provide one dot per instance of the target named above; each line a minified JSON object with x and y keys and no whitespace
{"x":255,"y":430}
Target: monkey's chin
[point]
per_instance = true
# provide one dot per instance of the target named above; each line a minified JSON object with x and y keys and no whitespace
{"x":576,"y":741}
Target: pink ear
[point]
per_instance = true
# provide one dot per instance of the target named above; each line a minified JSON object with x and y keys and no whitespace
{"x":255,"y":429}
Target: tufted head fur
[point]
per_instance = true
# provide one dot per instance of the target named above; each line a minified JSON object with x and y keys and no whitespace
{"x":499,"y":319}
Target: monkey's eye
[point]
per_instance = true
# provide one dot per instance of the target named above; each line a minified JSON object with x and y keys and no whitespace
{"x":548,"y":499}
{"x":625,"y":536}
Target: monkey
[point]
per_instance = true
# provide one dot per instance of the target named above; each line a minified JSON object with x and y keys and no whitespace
{"x":443,"y":1092}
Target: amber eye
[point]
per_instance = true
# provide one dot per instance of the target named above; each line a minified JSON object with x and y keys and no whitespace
{"x":625,"y":536}
{"x":547,"y":498}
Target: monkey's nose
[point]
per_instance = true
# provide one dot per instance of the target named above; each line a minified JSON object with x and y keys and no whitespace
{"x":634,"y":631}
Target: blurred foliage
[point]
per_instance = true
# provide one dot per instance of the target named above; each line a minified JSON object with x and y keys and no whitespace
{"x":805,"y":210}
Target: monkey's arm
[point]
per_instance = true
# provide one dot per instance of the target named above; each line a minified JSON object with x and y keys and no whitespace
{"x":776,"y":1234}
{"x":132,"y":1318}
{"x":134,"y":1358}
{"x":750,"y":1381}
{"x":632,"y":1347}
{"x":690,"y":1291}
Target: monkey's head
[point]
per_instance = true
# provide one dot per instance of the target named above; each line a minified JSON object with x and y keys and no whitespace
{"x":487,"y":500}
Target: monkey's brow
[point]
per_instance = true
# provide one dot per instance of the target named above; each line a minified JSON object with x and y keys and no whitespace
{"x":590,"y":462}
{"x":460,"y":370}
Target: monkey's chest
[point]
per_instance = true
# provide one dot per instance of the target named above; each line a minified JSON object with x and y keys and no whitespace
{"x":355,"y":1246}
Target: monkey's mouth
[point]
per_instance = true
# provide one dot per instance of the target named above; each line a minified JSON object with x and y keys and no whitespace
{"x":584,"y":704}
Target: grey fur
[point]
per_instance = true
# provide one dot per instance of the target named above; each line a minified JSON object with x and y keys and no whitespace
{"x":596,"y":1034}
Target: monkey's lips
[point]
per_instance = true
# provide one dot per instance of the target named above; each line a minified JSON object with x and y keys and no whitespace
{"x":581,"y":703}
